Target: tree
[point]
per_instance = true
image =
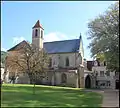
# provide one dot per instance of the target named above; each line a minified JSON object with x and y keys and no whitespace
{"x":104,"y":35}
{"x":101,"y":57}
{"x":30,"y":60}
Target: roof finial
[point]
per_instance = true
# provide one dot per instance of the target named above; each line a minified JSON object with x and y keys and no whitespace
{"x":80,"y":36}
{"x":37,"y":24}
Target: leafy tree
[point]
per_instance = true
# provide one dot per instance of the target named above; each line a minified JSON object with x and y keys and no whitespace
{"x":30,"y":60}
{"x":104,"y":35}
{"x":101,"y":57}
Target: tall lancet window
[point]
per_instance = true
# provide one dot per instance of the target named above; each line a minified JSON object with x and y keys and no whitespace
{"x":67,"y":61}
{"x":50,"y":62}
{"x":41,"y":34}
{"x":36,"y":33}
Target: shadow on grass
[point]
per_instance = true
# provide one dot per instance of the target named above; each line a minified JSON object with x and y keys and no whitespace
{"x":48,"y":96}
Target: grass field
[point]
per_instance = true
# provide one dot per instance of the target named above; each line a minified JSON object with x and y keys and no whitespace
{"x":22,"y":96}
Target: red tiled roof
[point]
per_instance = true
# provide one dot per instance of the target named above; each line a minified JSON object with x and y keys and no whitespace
{"x":38,"y":25}
{"x":19,"y":46}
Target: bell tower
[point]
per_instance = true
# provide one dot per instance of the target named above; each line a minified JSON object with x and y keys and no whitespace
{"x":37,"y":35}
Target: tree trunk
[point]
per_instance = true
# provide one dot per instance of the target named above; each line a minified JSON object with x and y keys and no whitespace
{"x":31,"y":78}
{"x":54,"y":79}
{"x":34,"y":88}
{"x":31,"y":82}
{"x":4,"y":76}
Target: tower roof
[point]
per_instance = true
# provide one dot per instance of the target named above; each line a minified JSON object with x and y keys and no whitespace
{"x":38,"y":25}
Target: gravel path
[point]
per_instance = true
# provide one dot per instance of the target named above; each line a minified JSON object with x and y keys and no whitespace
{"x":110,"y":97}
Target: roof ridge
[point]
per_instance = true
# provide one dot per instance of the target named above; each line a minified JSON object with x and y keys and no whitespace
{"x":61,"y":41}
{"x":18,"y":44}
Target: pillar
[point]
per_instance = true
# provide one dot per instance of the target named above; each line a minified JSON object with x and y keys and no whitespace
{"x":81,"y":71}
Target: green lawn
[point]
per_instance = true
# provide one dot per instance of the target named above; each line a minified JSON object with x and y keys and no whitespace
{"x":22,"y":95}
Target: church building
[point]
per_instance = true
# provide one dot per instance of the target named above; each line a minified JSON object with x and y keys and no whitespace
{"x":66,"y":56}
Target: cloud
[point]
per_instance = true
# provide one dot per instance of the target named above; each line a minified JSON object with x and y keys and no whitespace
{"x":3,"y":49}
{"x":55,"y":36}
{"x":17,"y":40}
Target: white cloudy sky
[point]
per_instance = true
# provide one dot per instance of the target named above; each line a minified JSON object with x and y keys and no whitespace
{"x":53,"y":36}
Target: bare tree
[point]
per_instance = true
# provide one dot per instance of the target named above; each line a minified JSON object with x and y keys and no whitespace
{"x":30,"y":60}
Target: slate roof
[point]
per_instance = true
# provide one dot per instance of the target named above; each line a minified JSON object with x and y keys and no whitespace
{"x":62,"y":46}
{"x":65,"y":46}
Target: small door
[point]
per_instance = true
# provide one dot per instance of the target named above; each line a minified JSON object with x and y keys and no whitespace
{"x":117,"y":84}
{"x":88,"y":82}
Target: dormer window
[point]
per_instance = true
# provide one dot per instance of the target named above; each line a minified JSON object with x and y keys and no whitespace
{"x":67,"y":61}
{"x":36,"y":33}
{"x":101,"y":73}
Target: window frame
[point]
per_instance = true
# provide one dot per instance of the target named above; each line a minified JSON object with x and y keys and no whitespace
{"x":36,"y":32}
{"x":67,"y":62}
{"x":102,"y":75}
{"x":41,"y":33}
{"x":107,"y":73}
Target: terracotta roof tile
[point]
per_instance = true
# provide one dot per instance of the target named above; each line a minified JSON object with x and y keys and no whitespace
{"x":37,"y":25}
{"x":19,"y":46}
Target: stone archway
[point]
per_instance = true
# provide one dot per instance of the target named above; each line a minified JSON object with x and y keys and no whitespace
{"x":87,"y":82}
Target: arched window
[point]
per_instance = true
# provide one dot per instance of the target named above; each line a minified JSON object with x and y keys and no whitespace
{"x":63,"y":78}
{"x":67,"y":61}
{"x":36,"y":33}
{"x":41,"y":34}
{"x":50,"y":62}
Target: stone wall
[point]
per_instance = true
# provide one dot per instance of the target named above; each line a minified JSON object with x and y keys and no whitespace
{"x":55,"y":78}
{"x":70,"y":81}
{"x":60,"y":59}
{"x":22,"y":79}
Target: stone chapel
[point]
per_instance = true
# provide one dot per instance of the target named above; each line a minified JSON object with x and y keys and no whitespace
{"x":66,"y":66}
